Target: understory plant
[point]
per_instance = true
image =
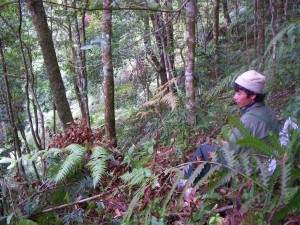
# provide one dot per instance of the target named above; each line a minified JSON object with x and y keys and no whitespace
{"x":241,"y":190}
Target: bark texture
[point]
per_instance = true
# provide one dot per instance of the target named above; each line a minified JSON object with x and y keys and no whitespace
{"x":190,"y":61}
{"x":226,"y":14}
{"x":110,"y":128}
{"x":44,"y":35}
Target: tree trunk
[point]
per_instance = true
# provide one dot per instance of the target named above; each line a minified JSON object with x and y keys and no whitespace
{"x":110,"y":129}
{"x":190,"y":61}
{"x":260,"y":28}
{"x":81,"y":69}
{"x":34,"y":132}
{"x":44,"y":35}
{"x":162,"y":71}
{"x":226,"y":14}
{"x":10,"y":111}
{"x":170,"y":38}
{"x":216,"y":36}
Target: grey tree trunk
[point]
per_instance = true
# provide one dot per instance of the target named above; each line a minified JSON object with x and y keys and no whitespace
{"x":110,"y":128}
{"x":190,"y":61}
{"x":44,"y":35}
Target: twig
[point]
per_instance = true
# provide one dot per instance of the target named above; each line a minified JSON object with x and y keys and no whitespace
{"x":207,"y":212}
{"x":69,"y":204}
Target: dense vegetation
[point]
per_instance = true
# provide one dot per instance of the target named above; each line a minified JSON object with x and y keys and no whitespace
{"x":102,"y":104}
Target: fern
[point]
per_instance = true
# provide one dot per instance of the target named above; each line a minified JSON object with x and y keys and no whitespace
{"x":137,"y":176}
{"x":97,"y":163}
{"x":136,"y":198}
{"x":291,"y":206}
{"x":206,"y":177}
{"x":75,"y":159}
{"x":285,"y":177}
{"x":245,"y":163}
{"x":175,"y":184}
{"x":258,"y":145}
{"x":280,"y":35}
{"x":239,"y":126}
{"x":169,"y":99}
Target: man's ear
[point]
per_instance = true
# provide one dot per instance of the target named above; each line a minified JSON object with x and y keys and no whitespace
{"x":253,"y":96}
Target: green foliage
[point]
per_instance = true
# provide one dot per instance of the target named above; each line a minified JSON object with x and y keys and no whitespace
{"x":73,"y":162}
{"x":97,"y":163}
{"x":59,"y":171}
{"x":137,"y":176}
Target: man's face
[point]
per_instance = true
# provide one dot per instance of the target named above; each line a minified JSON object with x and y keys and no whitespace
{"x":241,"y":99}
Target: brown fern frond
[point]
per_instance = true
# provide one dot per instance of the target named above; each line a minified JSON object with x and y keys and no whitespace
{"x":150,"y":102}
{"x":170,"y":99}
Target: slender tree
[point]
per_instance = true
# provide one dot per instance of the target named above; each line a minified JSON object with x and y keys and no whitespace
{"x":216,"y":36}
{"x":44,"y":35}
{"x":190,"y":61}
{"x":10,"y":111}
{"x":157,"y":25}
{"x":226,"y":14}
{"x":260,"y":27}
{"x":110,"y":127}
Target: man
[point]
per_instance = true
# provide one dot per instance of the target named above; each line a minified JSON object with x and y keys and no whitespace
{"x":258,"y":118}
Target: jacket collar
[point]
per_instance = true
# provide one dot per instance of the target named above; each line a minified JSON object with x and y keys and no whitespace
{"x":251,"y":106}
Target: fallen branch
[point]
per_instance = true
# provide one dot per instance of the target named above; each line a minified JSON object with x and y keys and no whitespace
{"x":69,"y":204}
{"x":207,"y":212}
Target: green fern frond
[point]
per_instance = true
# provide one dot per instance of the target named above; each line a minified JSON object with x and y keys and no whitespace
{"x":257,"y":144}
{"x":53,"y":151}
{"x":175,"y":184}
{"x":208,"y":175}
{"x":137,"y":176}
{"x":222,"y":85}
{"x":280,"y":36}
{"x":245,"y":163}
{"x":264,"y":175}
{"x":97,"y":163}
{"x":285,"y":176}
{"x":73,"y":161}
{"x":288,"y":208}
{"x":36,"y":155}
{"x":191,"y":179}
{"x":273,"y":139}
{"x":226,"y":131}
{"x":239,"y":126}
{"x":229,"y":156}
{"x":222,"y":177}
{"x":138,"y":194}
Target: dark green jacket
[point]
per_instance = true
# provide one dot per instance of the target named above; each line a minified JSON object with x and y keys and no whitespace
{"x":259,"y":119}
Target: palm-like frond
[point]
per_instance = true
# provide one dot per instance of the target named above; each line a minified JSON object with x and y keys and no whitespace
{"x":73,"y":161}
{"x":97,"y":163}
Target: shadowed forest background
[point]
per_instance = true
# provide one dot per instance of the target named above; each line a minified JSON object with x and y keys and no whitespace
{"x":103,"y":102}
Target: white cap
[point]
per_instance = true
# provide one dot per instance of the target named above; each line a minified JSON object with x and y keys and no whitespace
{"x":252,"y":81}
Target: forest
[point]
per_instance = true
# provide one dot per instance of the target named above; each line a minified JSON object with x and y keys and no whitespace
{"x":103,"y":103}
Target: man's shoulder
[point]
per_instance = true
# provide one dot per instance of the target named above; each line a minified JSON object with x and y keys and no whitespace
{"x":256,"y":112}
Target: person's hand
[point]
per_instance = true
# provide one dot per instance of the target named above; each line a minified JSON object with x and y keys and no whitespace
{"x":224,"y":142}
